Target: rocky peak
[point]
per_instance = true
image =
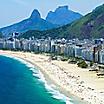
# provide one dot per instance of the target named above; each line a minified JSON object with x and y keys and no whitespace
{"x":35,"y":14}
{"x":61,"y":8}
{"x":64,"y":14}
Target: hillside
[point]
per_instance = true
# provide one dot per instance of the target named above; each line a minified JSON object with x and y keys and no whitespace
{"x":35,"y":22}
{"x":89,"y":26}
{"x":62,"y":16}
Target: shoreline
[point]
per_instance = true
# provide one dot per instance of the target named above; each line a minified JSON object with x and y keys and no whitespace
{"x":48,"y":81}
{"x":67,"y":83}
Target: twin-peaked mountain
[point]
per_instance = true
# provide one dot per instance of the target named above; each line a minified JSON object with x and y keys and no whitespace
{"x":60,"y":17}
{"x":88,"y":26}
{"x":34,"y":22}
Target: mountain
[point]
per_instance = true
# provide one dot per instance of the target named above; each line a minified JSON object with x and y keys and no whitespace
{"x":35,"y":22}
{"x":62,"y":16}
{"x":89,"y":26}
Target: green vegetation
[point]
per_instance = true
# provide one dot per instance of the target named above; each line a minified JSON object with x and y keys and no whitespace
{"x":82,"y":64}
{"x":53,"y":58}
{"x":64,"y":59}
{"x":89,"y":26}
{"x":101,"y":67}
{"x":98,"y":11}
{"x":56,"y":57}
{"x":91,"y":63}
{"x":72,"y":61}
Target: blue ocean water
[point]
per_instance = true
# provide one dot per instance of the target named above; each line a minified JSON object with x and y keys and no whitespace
{"x":19,"y":86}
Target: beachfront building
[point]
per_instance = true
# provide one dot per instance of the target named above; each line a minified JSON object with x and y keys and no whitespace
{"x":86,"y":49}
{"x":53,"y":49}
{"x":47,"y":45}
{"x":17,"y":44}
{"x":31,"y":45}
{"x":62,"y":49}
{"x":36,"y":47}
{"x":66,"y":49}
{"x":101,"y":54}
{"x":44,"y":45}
{"x":78,"y":51}
{"x":10,"y":45}
{"x":25,"y":45}
{"x":58,"y":49}
{"x":71,"y":50}
{"x":2,"y":41}
{"x":97,"y":48}
{"x":87,"y":54}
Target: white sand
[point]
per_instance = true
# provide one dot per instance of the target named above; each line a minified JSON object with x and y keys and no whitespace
{"x":69,"y":77}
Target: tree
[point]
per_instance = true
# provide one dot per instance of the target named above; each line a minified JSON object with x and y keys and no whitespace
{"x":82,"y":64}
{"x":91,"y":63}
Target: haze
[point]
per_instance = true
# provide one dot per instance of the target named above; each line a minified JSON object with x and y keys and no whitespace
{"x":13,"y":11}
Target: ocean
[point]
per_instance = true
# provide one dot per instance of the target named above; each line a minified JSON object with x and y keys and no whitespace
{"x":22,"y":83}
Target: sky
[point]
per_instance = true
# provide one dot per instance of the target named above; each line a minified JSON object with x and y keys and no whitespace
{"x":13,"y":11}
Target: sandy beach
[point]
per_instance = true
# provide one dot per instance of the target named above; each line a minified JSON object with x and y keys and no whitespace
{"x":74,"y":80}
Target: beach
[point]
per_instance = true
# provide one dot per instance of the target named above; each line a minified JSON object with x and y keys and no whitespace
{"x":69,"y":78}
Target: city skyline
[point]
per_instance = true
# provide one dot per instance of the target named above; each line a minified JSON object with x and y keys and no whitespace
{"x":14,"y":11}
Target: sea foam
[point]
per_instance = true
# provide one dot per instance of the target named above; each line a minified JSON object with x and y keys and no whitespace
{"x":38,"y":74}
{"x":51,"y":88}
